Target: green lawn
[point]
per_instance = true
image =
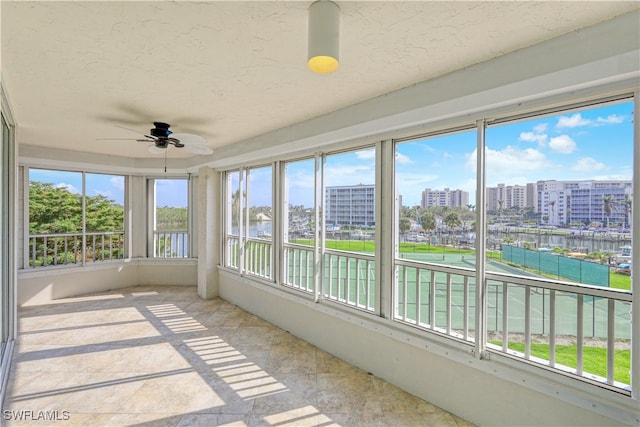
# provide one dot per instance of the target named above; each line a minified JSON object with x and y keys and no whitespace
{"x":618,"y":281}
{"x":594,"y":358}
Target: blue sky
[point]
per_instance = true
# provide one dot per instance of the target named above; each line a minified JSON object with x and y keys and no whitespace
{"x":594,"y":143}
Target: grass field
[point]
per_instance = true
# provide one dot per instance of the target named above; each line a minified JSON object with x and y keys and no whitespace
{"x":594,"y":358}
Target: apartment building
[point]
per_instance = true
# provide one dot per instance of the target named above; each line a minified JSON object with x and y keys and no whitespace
{"x":352,"y":205}
{"x":446,"y":197}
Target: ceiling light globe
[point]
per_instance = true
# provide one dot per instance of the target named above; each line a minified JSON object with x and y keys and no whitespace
{"x":323,"y":64}
{"x":324,"y":36}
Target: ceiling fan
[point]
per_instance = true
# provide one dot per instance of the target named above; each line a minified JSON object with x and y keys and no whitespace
{"x":162,"y":139}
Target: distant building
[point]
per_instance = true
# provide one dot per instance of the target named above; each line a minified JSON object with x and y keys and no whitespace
{"x":350,"y":205}
{"x":566,"y":202}
{"x":446,"y":197}
{"x":511,"y":196}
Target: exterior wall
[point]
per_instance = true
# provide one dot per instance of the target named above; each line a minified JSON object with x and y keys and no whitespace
{"x":451,"y":381}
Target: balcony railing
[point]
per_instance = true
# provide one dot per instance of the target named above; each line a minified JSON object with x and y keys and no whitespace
{"x":349,"y":278}
{"x":75,"y":248}
{"x":232,"y":251}
{"x":574,"y":329}
{"x":298,"y":266}
{"x":171,"y":244}
{"x":257,"y":258}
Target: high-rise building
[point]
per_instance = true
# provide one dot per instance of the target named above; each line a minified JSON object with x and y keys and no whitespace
{"x":586,"y":202}
{"x":350,"y":205}
{"x":446,"y":197}
{"x":510,"y":196}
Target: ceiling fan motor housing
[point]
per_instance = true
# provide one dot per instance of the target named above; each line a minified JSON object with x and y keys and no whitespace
{"x":161,"y":130}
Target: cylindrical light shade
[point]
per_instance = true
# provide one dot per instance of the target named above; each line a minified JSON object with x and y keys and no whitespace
{"x":324,"y":36}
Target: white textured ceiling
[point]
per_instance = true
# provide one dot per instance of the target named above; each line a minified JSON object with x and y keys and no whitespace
{"x":235,"y":70}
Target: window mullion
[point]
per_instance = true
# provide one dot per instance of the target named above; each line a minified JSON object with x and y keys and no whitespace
{"x":481,"y":243}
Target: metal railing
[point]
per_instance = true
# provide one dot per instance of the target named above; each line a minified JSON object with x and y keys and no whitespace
{"x":171,"y":244}
{"x":232,"y":252}
{"x":570,"y":328}
{"x":257,"y":258}
{"x":74,"y":248}
{"x":298,"y":267}
{"x":436,"y":298}
{"x":573,"y":328}
{"x":349,"y":278}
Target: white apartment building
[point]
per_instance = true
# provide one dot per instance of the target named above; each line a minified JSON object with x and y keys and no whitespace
{"x":446,"y":197}
{"x":512,"y":196}
{"x":351,"y":205}
{"x":565,"y":202}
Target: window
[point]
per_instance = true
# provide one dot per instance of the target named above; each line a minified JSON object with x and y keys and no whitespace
{"x":249,"y":221}
{"x":435,"y":180}
{"x":74,"y":218}
{"x":300,"y":223}
{"x":559,"y":189}
{"x":170,"y":218}
{"x":6,"y":248}
{"x":350,"y":228}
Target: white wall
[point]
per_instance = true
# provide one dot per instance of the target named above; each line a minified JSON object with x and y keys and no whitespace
{"x":43,"y":286}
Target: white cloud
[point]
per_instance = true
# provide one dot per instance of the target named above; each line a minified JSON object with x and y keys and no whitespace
{"x":510,"y":161}
{"x":562,"y":144}
{"x":366,"y":154}
{"x":447,"y":155}
{"x":70,"y":188}
{"x":104,"y":193}
{"x":573,"y":121}
{"x":587,"y":164}
{"x":612,"y":119}
{"x":117,"y":182}
{"x":350,"y":175}
{"x":403,"y":159}
{"x":538,"y":138}
{"x":541,"y":128}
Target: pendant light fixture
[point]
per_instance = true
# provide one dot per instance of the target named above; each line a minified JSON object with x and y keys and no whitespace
{"x":324,"y":36}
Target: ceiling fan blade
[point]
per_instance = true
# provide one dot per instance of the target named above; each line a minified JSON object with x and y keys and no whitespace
{"x":157,"y":150}
{"x":129,"y":129}
{"x":189,"y":138}
{"x":197,"y":149}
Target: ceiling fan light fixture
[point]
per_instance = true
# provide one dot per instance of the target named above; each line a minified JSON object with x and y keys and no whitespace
{"x":324,"y":37}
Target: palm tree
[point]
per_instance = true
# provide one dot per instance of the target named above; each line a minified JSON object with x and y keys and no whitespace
{"x":500,"y":203}
{"x":552,"y":203}
{"x":626,"y":202}
{"x":607,"y":207}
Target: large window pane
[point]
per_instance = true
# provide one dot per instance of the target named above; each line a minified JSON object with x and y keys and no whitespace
{"x":74,"y":217}
{"x":558,"y":201}
{"x":299,"y":224}
{"x":258,"y":252}
{"x":436,"y":187}
{"x":350,"y":228}
{"x":559,"y":191}
{"x":171,"y":218}
{"x":435,"y":192}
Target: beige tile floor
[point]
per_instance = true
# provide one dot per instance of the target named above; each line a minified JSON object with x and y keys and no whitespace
{"x":148,"y":356}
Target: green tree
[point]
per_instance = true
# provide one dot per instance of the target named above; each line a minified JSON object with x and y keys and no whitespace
{"x":428,"y":221}
{"x":452,"y":220}
{"x":53,"y":209}
{"x":626,"y":203}
{"x":404,"y":225}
